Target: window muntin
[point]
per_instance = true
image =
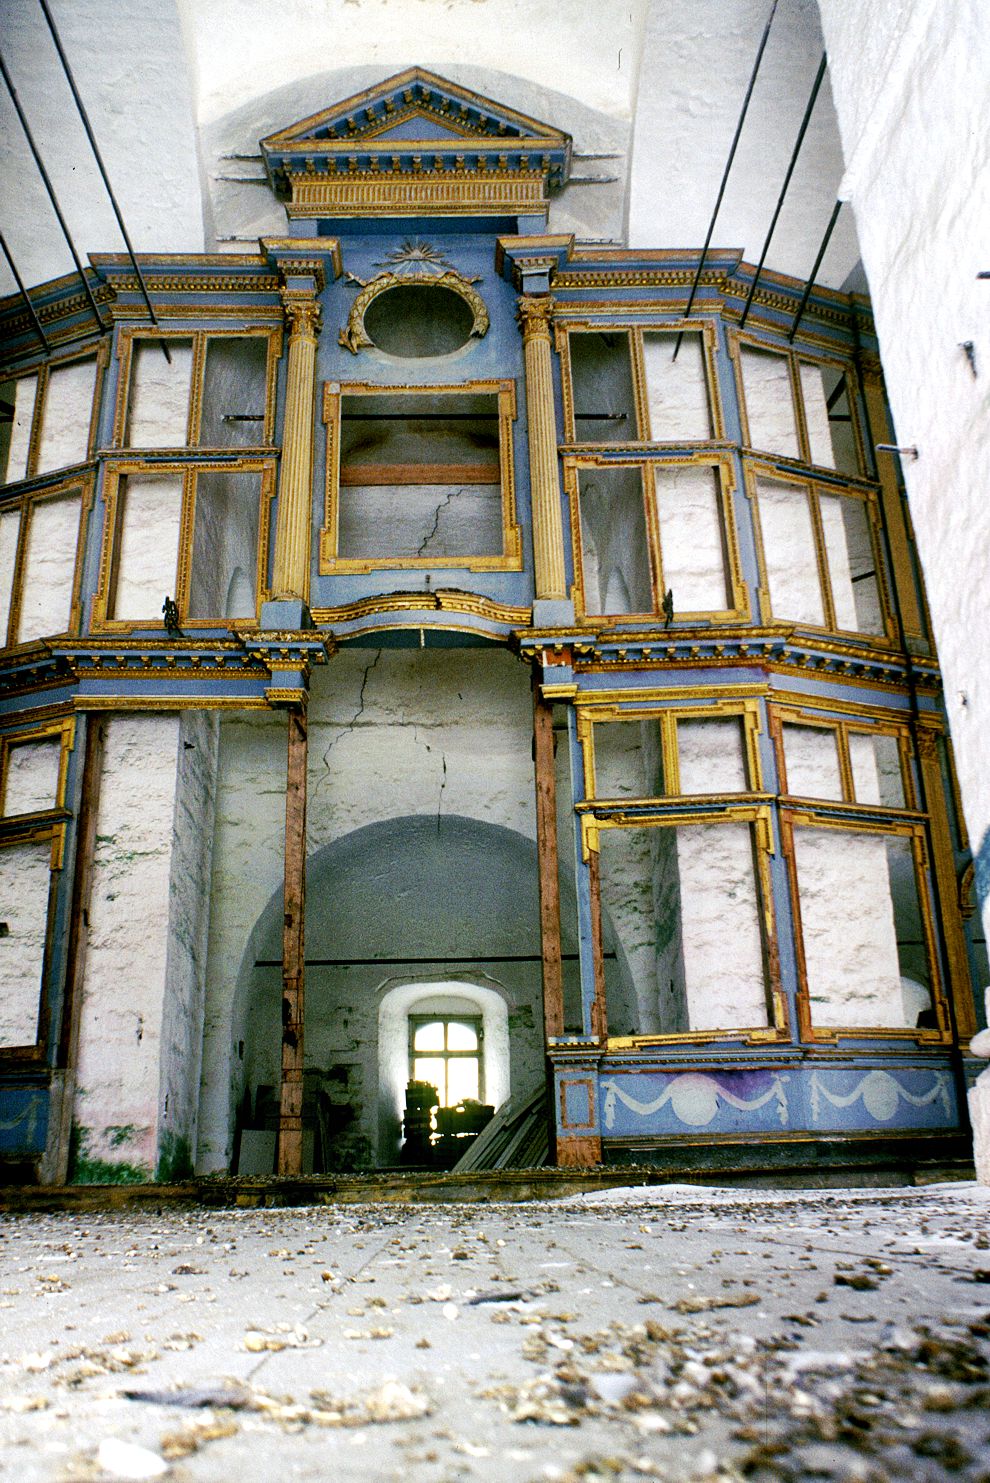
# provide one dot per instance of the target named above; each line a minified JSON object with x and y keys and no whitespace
{"x":216,"y":392}
{"x":640,"y":530}
{"x":40,"y":552}
{"x":675,"y":890}
{"x":865,"y":939}
{"x":623,"y":384}
{"x":819,"y":555}
{"x":446,"y":1051}
{"x":420,"y":477}
{"x":798,"y":408}
{"x":53,"y":418}
{"x":194,"y":532}
{"x":672,"y":752}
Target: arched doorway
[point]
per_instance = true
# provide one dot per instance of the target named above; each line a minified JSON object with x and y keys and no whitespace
{"x":449,"y":904}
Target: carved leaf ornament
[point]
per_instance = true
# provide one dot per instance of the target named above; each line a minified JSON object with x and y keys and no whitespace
{"x":412,"y":264}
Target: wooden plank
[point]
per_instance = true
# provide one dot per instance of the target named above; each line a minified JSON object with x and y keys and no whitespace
{"x":599,"y":1021}
{"x":549,"y":877}
{"x":293,"y":948}
{"x":364,"y":474}
{"x":55,"y":1168}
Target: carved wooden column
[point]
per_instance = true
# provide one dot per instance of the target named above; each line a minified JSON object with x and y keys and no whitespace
{"x":290,"y":578}
{"x":293,"y":948}
{"x":947,"y":886}
{"x":894,"y":513}
{"x":552,"y":599}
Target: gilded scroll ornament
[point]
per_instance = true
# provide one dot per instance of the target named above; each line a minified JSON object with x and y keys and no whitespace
{"x":414,"y":263}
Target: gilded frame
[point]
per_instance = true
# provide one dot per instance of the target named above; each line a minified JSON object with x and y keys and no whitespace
{"x":815,"y":488}
{"x":23,"y":831}
{"x":189,"y":471}
{"x":100,"y":355}
{"x":332,"y":563}
{"x":24,"y":503}
{"x":198,"y":338}
{"x":64,"y":730}
{"x":823,"y":816}
{"x":722,"y":463}
{"x":781,"y":715}
{"x":565,"y":326}
{"x":795,"y":357}
{"x":667,"y":716}
{"x":758,"y":817}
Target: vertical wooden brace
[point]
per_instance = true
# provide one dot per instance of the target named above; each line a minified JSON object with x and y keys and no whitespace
{"x":293,"y":948}
{"x":549,"y":877}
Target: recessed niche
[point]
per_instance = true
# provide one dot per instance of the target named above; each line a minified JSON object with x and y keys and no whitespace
{"x":419,"y":320}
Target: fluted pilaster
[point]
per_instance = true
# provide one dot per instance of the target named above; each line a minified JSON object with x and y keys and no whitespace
{"x":535,"y":314}
{"x":290,"y":578}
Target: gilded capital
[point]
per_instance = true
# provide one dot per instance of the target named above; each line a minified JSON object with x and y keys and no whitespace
{"x":534,"y":316}
{"x":302,"y":313}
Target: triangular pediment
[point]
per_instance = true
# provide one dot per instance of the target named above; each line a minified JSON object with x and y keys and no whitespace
{"x":411,"y":96}
{"x":413,"y":124}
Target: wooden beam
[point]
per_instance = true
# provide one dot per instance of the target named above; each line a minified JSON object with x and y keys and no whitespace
{"x":599,"y":1021}
{"x":293,"y":948}
{"x":363,"y":475}
{"x":549,"y":877}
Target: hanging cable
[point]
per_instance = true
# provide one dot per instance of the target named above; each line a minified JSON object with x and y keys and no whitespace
{"x":814,"y":271}
{"x":84,"y":116}
{"x":50,"y":189}
{"x":787,"y":180}
{"x":725,"y":173}
{"x":24,"y":293}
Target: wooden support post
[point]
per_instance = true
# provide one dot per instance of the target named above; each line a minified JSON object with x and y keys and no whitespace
{"x":947,"y":887}
{"x":599,"y":1022}
{"x":549,"y":877}
{"x":293,"y":948}
{"x":55,"y":1166}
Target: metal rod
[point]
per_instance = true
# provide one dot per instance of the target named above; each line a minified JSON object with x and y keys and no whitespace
{"x":24,"y":293}
{"x":787,"y":180}
{"x":814,"y":271}
{"x":725,"y":174}
{"x":84,"y":116}
{"x":50,"y":189}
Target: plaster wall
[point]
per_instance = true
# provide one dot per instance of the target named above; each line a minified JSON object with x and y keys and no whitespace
{"x":25,"y":875}
{"x":131,"y":68}
{"x":10,"y":525}
{"x":188,"y":935}
{"x":25,"y":390}
{"x":128,"y":1017}
{"x":676,"y":390}
{"x":697,"y":56}
{"x":149,"y":544}
{"x":49,"y":567}
{"x":31,"y":781}
{"x":68,"y":412}
{"x":909,"y":81}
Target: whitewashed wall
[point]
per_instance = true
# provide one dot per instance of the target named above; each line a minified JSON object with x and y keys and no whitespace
{"x":910,"y":85}
{"x":140,"y":1030}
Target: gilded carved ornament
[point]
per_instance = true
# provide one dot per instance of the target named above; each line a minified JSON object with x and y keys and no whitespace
{"x":534,"y":316}
{"x":414,"y":264}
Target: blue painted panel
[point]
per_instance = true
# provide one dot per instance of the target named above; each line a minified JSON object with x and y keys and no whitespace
{"x":773,"y":1102}
{"x":23,"y":1120}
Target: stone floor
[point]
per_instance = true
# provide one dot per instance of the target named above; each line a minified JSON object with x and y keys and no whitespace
{"x":670,"y":1332}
